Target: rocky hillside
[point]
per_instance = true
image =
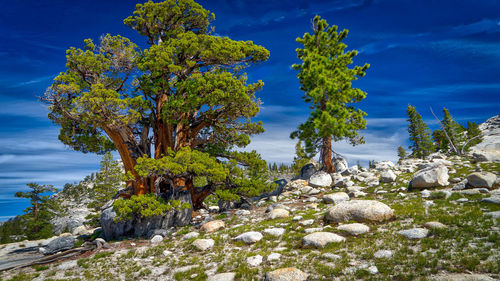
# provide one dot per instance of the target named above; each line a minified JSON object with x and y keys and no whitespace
{"x":434,"y":219}
{"x":489,"y":148}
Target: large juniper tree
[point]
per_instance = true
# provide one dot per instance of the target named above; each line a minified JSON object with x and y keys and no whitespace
{"x":421,"y":143}
{"x":326,"y":79}
{"x":178,"y":107}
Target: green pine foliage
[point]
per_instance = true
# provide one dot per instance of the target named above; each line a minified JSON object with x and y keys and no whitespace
{"x":454,"y":130}
{"x":473,"y":135}
{"x":36,"y":217}
{"x":105,"y":185}
{"x":421,"y":143}
{"x":144,"y":206}
{"x":326,"y":79}
{"x":301,"y":158}
{"x":184,"y":97}
{"x":402,"y":153}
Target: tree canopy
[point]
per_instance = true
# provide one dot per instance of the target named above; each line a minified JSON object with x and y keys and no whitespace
{"x":326,"y":80}
{"x":421,"y":143}
{"x":186,"y":92}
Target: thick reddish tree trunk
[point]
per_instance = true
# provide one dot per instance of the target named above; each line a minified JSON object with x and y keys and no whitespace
{"x":326,"y":155}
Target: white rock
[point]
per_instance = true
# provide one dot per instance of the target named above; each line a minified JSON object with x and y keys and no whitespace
{"x":387,"y":176}
{"x":190,"y":235}
{"x":67,"y":265}
{"x":80,"y":230}
{"x":311,"y":199}
{"x":156,"y":239}
{"x":432,"y":176}
{"x":425,"y":193}
{"x":434,"y":225}
{"x":274,"y":231}
{"x":314,"y":191}
{"x":306,"y":222}
{"x":254,"y":261}
{"x":373,"y":269}
{"x":212,"y":226}
{"x":286,"y":274}
{"x":384,"y":165}
{"x":321,"y":239}
{"x":278,"y":213}
{"x":383,"y":254}
{"x":331,"y":256}
{"x":414,"y":233}
{"x":167,"y":253}
{"x":340,"y":164}
{"x":335,"y":198}
{"x":360,"y":211}
{"x":320,"y":179}
{"x":203,"y":244}
{"x":213,"y":209}
{"x":354,"y":228}
{"x":494,"y":215}
{"x":274,"y":257}
{"x":481,"y":179}
{"x":312,"y":230}
{"x":297,"y":218}
{"x":242,"y":213}
{"x":249,"y":237}
{"x":228,"y":276}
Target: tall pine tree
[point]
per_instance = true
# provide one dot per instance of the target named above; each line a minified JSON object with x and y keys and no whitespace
{"x":419,"y":134}
{"x":326,"y":79}
{"x":453,"y":129}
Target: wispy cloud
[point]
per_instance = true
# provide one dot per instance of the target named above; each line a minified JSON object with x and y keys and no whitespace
{"x":448,"y":38}
{"x":28,"y":108}
{"x":32,"y":81}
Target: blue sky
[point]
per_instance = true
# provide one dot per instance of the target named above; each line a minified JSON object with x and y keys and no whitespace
{"x":424,"y":53}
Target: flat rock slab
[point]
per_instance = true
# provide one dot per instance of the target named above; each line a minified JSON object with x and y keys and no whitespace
{"x":494,"y":215}
{"x":274,"y":231}
{"x":360,"y":211}
{"x":335,"y":198}
{"x":321,"y":239}
{"x":228,"y":276}
{"x":492,"y":200}
{"x":354,"y":228}
{"x":20,"y":257}
{"x":461,"y":277}
{"x":286,"y":274}
{"x":249,"y":237}
{"x":414,"y":233}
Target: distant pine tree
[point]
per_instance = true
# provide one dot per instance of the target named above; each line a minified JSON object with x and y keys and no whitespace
{"x":419,"y":134}
{"x":473,"y":135}
{"x":301,"y":157}
{"x":37,"y":216}
{"x":107,"y":181}
{"x":402,"y":153}
{"x":454,"y":130}
{"x":440,"y":139}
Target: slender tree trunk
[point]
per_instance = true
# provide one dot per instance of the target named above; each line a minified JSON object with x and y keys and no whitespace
{"x":326,"y":155}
